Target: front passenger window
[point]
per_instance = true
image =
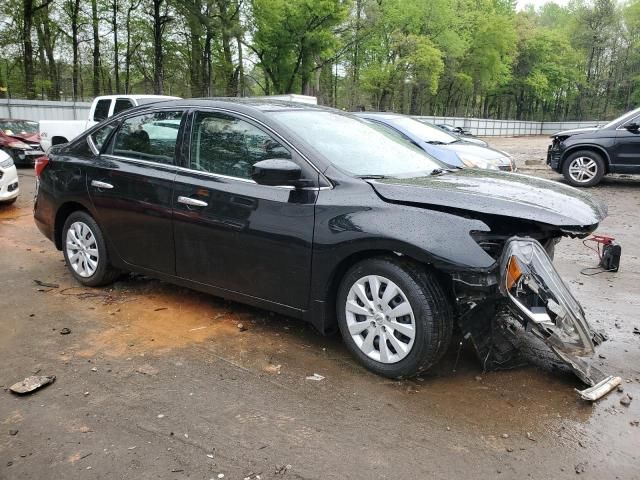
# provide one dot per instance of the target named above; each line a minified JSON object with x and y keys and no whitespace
{"x":229,"y":146}
{"x":151,"y":137}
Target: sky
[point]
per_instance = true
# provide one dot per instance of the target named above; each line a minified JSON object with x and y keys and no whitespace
{"x":538,"y":3}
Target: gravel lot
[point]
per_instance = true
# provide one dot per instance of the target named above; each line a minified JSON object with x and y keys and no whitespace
{"x":156,"y":381}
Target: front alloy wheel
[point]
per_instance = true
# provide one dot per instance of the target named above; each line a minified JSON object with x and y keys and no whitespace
{"x":583,"y":169}
{"x":393,"y":316}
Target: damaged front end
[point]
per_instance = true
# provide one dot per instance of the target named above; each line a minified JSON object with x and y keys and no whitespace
{"x":531,"y":298}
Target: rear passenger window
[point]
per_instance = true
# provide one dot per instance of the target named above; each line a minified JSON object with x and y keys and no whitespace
{"x":101,"y":111}
{"x":151,"y":137}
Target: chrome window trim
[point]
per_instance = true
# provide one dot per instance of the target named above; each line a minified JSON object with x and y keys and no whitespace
{"x":271,"y":132}
{"x":92,"y":145}
{"x":207,"y":174}
{"x":137,"y":160}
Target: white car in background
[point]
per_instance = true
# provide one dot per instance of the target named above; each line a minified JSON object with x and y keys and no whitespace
{"x":9,"y":187}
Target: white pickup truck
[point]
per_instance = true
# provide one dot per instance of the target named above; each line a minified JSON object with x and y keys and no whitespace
{"x":54,"y":132}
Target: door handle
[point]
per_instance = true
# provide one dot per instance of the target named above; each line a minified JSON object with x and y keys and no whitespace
{"x":192,"y":202}
{"x":99,"y":184}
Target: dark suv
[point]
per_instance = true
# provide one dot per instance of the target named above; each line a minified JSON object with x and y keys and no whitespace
{"x":585,"y":155}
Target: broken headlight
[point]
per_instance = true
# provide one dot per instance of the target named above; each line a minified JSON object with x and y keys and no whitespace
{"x":535,"y":288}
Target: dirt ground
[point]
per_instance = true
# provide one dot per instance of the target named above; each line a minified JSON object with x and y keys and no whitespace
{"x":156,"y":381}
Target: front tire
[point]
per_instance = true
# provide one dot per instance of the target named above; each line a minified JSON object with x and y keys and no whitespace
{"x":85,"y":251}
{"x":394,"y":316}
{"x":584,"y":168}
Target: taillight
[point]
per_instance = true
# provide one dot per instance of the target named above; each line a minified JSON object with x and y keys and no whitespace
{"x":41,"y":164}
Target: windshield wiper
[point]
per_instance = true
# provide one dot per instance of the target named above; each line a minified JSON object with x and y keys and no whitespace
{"x":441,"y":171}
{"x":371,"y":177}
{"x":435,"y":142}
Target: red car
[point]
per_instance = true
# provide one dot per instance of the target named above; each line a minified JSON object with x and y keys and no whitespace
{"x":21,"y":140}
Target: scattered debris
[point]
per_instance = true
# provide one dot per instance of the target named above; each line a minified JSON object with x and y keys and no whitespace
{"x":241,"y":327}
{"x":580,"y":467}
{"x":620,"y":388}
{"x":209,"y":455}
{"x":505,"y":435}
{"x":13,"y":432}
{"x":635,"y":423}
{"x":65,"y":331}
{"x":282,"y":469}
{"x":448,"y":429}
{"x":509,"y":449}
{"x":40,"y":283}
{"x":31,"y":384}
{"x":271,"y":368}
{"x":161,"y":415}
{"x":94,"y":369}
{"x":530,"y":437}
{"x":636,"y":330}
{"x":86,"y":394}
{"x":626,"y":400}
{"x":160,"y":309}
{"x":147,"y":369}
{"x":316,"y":377}
{"x":221,"y":475}
{"x":176,"y":470}
{"x":197,"y":328}
{"x":478,"y":378}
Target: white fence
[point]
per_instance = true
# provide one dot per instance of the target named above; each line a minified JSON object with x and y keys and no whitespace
{"x":46,"y":110}
{"x":507,"y":128}
{"x":37,"y":110}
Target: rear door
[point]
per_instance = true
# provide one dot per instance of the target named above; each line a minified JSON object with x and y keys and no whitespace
{"x":232,"y":233}
{"x":131,"y":186}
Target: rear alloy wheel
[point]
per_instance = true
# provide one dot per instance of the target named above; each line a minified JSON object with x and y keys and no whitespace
{"x":393,"y":316}
{"x":85,"y":251}
{"x":583,"y":169}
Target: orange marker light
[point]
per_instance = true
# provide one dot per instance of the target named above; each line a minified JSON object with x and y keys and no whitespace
{"x":513,"y":272}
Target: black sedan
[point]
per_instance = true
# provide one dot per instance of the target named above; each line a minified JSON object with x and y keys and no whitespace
{"x":316,"y":214}
{"x":585,"y":155}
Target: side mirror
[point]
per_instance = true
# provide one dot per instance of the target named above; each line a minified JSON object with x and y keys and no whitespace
{"x":276,"y":172}
{"x":632,"y":127}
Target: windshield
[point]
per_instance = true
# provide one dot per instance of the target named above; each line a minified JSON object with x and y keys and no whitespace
{"x":422,"y":131}
{"x":356,"y":146}
{"x":623,"y":118}
{"x":18,"y":127}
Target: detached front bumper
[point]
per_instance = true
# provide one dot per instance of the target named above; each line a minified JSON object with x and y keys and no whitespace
{"x":543,"y":304}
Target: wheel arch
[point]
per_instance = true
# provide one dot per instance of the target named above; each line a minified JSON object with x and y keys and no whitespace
{"x":324,"y":318}
{"x":590,"y":147}
{"x":62,"y":214}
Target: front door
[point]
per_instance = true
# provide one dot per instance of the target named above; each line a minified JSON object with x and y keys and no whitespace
{"x":131,"y":186}
{"x":232,"y":233}
{"x":627,"y":149}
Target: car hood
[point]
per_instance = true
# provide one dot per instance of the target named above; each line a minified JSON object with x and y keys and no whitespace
{"x":26,"y":137}
{"x":498,"y":193}
{"x":575,"y":131}
{"x":485,"y":153}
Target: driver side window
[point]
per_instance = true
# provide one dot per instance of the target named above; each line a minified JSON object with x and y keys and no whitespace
{"x":226,"y":145}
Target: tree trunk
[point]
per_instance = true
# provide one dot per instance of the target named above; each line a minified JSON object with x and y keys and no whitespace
{"x":158,"y":58}
{"x":116,"y":52}
{"x":96,"y":48}
{"x":27,"y":46}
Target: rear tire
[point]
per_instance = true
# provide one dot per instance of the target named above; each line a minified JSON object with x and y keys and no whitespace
{"x":395,"y":333}
{"x":85,"y":251}
{"x":584,"y":168}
